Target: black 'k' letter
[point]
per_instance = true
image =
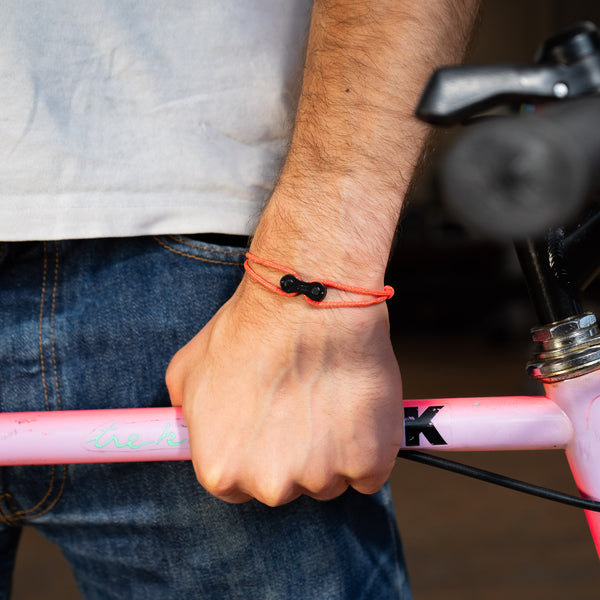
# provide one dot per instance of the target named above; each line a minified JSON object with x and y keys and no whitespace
{"x":414,"y":425}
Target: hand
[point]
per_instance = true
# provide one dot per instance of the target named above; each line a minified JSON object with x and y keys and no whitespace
{"x":283,"y":399}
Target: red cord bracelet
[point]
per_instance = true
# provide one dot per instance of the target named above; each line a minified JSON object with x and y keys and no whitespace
{"x":314,"y":292}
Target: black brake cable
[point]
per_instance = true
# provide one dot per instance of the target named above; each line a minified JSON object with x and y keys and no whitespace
{"x":501,"y":480}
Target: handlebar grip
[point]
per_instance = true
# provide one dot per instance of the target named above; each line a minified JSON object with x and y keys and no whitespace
{"x":516,"y":177}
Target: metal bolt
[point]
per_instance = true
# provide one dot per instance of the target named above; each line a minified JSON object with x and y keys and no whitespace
{"x":566,"y":348}
{"x":563,"y":328}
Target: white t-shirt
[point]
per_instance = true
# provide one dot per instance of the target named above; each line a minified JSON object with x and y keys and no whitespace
{"x":126,"y":117}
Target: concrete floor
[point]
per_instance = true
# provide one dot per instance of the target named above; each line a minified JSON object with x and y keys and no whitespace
{"x":463,"y":539}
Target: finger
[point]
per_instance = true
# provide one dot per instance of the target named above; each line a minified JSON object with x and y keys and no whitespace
{"x":329,"y":492}
{"x":231,"y":492}
{"x":234,"y":498}
{"x":319,"y":481}
{"x":173,"y":382}
{"x":369,"y":485}
{"x":278,"y":496}
{"x":370,"y":476}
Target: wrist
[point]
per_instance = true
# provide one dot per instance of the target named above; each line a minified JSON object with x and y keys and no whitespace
{"x":272,"y":312}
{"x":347,"y":240}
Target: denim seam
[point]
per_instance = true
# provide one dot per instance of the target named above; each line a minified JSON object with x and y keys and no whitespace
{"x":40,"y":325}
{"x":202,"y":247}
{"x":52,"y":314}
{"x":26,"y":513}
{"x":22,"y":515}
{"x":208,"y":260}
{"x":5,"y":510}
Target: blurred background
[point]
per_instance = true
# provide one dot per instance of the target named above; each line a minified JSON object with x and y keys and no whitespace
{"x":460,"y":322}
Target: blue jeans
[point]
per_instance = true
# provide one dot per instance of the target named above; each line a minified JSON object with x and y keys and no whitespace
{"x":93,"y":324}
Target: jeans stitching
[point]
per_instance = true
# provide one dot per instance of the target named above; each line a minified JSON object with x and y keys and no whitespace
{"x":40,"y":326}
{"x":5,"y":509}
{"x":26,"y":513}
{"x":58,"y":400}
{"x":22,"y":515}
{"x":208,"y":260}
{"x":52,"y":314}
{"x":202,"y":247}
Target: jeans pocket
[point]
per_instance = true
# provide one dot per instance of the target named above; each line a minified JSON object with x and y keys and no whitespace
{"x":197,"y":248}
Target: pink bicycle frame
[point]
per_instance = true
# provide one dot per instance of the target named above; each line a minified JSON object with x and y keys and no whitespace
{"x":568,"y":417}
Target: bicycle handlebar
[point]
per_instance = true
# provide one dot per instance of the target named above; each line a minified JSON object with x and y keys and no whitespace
{"x":518,"y":176}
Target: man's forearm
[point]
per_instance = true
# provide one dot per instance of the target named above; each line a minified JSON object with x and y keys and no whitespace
{"x":356,"y":141}
{"x":317,"y":404}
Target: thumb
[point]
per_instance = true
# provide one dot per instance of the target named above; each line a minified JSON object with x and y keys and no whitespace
{"x":173,"y":380}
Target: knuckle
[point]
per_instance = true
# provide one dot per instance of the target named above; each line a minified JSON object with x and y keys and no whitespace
{"x":319,"y":482}
{"x":367,"y":490}
{"x":371,"y":475}
{"x":370,"y":471}
{"x":273,"y":498}
{"x":217,"y":481}
{"x":361,"y":466}
{"x":277,"y":493}
{"x":370,"y":485}
{"x":329,"y":491}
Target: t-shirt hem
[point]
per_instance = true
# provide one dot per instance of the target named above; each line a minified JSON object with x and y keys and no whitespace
{"x":68,"y":217}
